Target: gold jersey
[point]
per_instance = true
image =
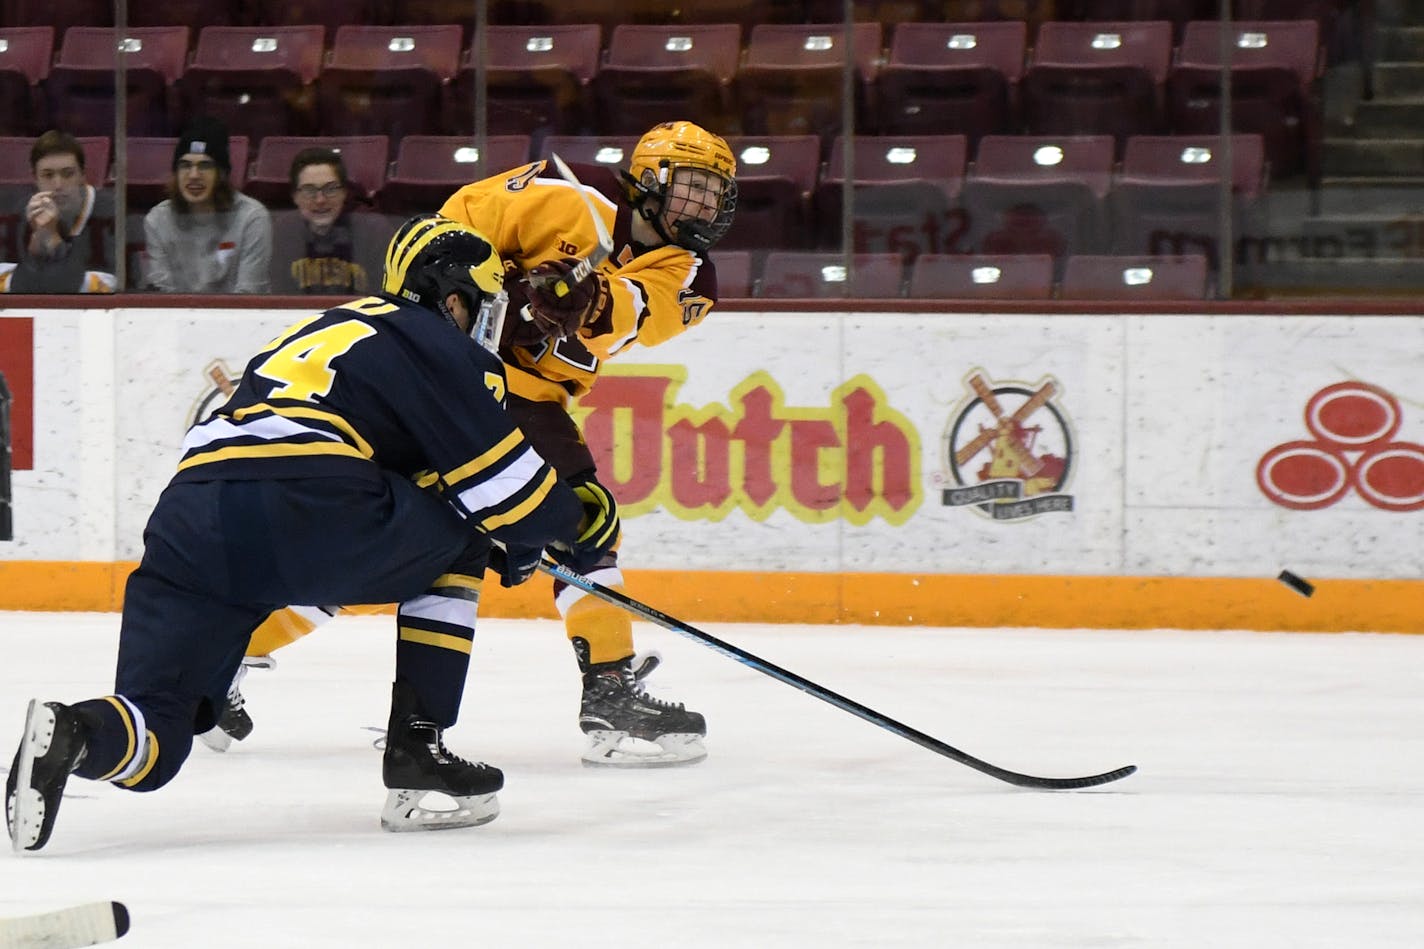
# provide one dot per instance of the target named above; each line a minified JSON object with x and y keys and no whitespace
{"x":531,"y":215}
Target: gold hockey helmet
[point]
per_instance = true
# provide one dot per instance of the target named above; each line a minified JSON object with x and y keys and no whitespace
{"x":702,"y":169}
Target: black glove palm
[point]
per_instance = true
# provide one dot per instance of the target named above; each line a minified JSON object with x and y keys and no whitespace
{"x":514,"y":564}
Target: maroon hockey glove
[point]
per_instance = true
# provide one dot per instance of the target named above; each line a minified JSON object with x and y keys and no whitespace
{"x":559,"y":316}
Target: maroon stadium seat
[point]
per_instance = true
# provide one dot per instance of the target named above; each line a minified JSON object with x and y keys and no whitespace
{"x":429,"y":168}
{"x":1097,"y":78}
{"x":1275,"y":68}
{"x":80,"y":88}
{"x":1167,"y":198}
{"x":734,"y":272}
{"x":906,"y":194}
{"x":982,"y":276}
{"x":790,"y":80}
{"x":658,"y":74}
{"x":775,"y":177}
{"x":25,"y":53}
{"x":387,"y":80}
{"x":952,"y":78}
{"x":536,"y":80}
{"x":815,"y":275}
{"x":1135,"y":278}
{"x":258,"y":79}
{"x":614,"y":151}
{"x":1038,"y":194}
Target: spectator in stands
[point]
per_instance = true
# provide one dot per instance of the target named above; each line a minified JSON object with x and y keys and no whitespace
{"x":318,"y":249}
{"x":207,"y":237}
{"x":63,"y":253}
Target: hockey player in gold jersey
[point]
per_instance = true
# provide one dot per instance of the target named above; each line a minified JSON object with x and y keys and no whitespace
{"x":664,"y":212}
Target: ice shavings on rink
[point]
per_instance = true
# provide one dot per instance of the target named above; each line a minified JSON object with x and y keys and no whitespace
{"x":1278,"y":802}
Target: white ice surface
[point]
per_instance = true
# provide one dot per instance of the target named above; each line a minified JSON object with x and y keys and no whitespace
{"x":1280,"y":801}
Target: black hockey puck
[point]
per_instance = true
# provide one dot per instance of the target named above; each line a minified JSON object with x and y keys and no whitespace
{"x":1303,"y":587}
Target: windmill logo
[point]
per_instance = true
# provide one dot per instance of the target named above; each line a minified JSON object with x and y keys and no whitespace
{"x":1008,"y":450}
{"x":215,"y":393}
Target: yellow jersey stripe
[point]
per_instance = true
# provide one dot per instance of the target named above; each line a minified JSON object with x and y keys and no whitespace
{"x":529,"y":504}
{"x":506,"y":445}
{"x":439,"y":640}
{"x":301,"y":411}
{"x":271,"y":450}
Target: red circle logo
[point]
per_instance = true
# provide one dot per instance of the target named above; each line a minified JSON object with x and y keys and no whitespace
{"x":1392,"y":477}
{"x":1303,"y":475}
{"x":1352,"y":415}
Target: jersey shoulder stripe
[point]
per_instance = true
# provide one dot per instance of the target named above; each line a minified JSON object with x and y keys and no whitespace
{"x":265,"y":431}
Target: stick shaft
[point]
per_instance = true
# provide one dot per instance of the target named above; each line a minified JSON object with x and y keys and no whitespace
{"x":796,"y":681}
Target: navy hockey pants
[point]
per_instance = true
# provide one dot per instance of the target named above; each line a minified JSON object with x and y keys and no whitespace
{"x":220,"y":556}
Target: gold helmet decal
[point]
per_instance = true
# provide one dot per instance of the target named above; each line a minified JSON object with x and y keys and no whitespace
{"x":675,"y":144}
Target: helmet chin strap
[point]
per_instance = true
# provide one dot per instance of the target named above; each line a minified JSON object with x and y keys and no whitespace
{"x":697,"y":239}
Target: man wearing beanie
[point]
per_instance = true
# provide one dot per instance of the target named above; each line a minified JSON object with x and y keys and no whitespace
{"x":206,"y":237}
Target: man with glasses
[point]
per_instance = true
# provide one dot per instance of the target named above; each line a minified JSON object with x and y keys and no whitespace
{"x":322,"y":247}
{"x":207,"y":237}
{"x":70,"y":242}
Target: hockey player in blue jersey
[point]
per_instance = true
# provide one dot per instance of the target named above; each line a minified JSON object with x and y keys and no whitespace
{"x":365,"y":457}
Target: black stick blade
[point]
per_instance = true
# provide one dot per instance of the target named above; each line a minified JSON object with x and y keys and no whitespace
{"x":1063,"y":784}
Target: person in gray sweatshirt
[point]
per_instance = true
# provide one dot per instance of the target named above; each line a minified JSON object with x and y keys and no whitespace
{"x":207,"y":237}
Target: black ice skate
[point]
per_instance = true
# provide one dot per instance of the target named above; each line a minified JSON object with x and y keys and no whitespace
{"x":417,"y":764}
{"x":625,"y":725}
{"x":235,"y":724}
{"x":51,"y":748}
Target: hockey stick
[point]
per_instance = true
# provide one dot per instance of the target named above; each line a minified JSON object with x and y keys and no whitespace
{"x":643,"y":611}
{"x":70,"y":928}
{"x":583,"y":268}
{"x":563,"y":286}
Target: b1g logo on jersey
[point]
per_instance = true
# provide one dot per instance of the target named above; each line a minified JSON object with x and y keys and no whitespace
{"x":1008,"y":450}
{"x":1354,"y":448}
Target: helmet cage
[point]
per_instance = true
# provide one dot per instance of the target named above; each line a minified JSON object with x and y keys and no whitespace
{"x":693,"y":228}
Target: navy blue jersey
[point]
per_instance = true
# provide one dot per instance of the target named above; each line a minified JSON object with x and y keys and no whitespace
{"x":381,"y":384}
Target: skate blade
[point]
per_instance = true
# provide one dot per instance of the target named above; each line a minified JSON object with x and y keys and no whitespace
{"x":405,"y":811}
{"x":216,"y":739}
{"x":25,"y":807}
{"x":618,"y":749}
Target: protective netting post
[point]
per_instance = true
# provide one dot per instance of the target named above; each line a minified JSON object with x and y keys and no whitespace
{"x":6,"y":529}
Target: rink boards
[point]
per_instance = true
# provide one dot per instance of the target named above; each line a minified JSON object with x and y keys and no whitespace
{"x":1058,"y":469}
